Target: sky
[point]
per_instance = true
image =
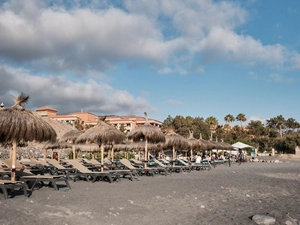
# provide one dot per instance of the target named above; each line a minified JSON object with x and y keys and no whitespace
{"x":197,"y":58}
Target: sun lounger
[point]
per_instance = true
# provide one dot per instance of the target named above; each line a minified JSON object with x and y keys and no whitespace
{"x":175,"y":168}
{"x":6,"y":186}
{"x":28,"y":177}
{"x":34,"y":166}
{"x":94,"y":163}
{"x":136,"y":163}
{"x":58,"y":168}
{"x":91,"y":176}
{"x":4,"y":170}
{"x":195,"y":166}
{"x":166,"y":170}
{"x":140,"y":171}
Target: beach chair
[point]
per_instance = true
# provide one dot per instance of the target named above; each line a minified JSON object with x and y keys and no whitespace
{"x":32,"y":180}
{"x":137,"y":163}
{"x":164,"y":169}
{"x":175,"y":168}
{"x":195,"y":166}
{"x":93,"y":163}
{"x":57,"y":168}
{"x":83,"y":172}
{"x":35,"y":166}
{"x":141,"y":171}
{"x":4,"y":170}
{"x":6,"y":186}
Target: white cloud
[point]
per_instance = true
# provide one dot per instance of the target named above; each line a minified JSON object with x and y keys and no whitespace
{"x":280,"y":79}
{"x":98,"y":36}
{"x":68,"y":96}
{"x":174,"y":102}
{"x":165,"y":70}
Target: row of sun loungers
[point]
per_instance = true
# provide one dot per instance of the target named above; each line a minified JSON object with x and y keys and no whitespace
{"x":34,"y":174}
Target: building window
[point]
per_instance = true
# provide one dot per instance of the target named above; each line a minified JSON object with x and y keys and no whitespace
{"x":128,"y":124}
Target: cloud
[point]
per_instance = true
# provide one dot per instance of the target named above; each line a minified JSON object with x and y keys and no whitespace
{"x":79,"y":36}
{"x":75,"y":40}
{"x":68,"y":96}
{"x":281,"y":79}
{"x":165,"y":70}
{"x":174,"y":102}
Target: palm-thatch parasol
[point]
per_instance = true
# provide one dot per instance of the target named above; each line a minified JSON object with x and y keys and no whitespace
{"x":194,"y":144}
{"x":207,"y":144}
{"x":137,"y":146}
{"x":148,"y":133}
{"x":60,"y":127}
{"x":175,"y":141}
{"x":102,"y":134}
{"x":56,"y":145}
{"x":18,"y":124}
{"x":71,"y":137}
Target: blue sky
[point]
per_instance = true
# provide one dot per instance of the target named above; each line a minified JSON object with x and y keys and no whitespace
{"x":166,"y":57}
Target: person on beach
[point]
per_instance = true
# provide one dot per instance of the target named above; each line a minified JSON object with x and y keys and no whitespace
{"x":198,"y":159}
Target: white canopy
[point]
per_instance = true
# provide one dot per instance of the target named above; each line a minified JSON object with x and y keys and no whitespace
{"x":241,"y":145}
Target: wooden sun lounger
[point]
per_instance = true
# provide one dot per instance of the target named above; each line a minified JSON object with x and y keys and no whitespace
{"x":58,"y":168}
{"x":34,"y":166}
{"x":7,"y":185}
{"x":91,"y":176}
{"x":132,"y":175}
{"x":140,"y":171}
{"x":196,"y":166}
{"x":27,"y":177}
{"x":166,"y":170}
{"x":4,"y":170}
{"x":175,"y":168}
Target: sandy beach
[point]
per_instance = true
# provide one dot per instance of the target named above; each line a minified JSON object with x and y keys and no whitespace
{"x":224,"y":195}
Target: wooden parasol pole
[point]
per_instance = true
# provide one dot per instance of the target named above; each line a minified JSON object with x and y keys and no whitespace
{"x":102,"y":157}
{"x":146,"y":153}
{"x":13,"y":161}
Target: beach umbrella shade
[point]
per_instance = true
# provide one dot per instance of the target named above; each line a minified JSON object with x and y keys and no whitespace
{"x":60,"y":127}
{"x":207,"y":144}
{"x":57,"y":145}
{"x":194,"y":144}
{"x":18,"y":124}
{"x":137,"y":146}
{"x":71,"y":137}
{"x":148,"y":133}
{"x":102,"y":134}
{"x":175,"y":142}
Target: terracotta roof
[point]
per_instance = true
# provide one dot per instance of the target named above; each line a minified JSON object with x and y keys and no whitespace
{"x":64,"y":116}
{"x":46,"y":108}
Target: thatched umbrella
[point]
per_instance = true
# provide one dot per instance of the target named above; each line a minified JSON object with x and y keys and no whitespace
{"x":194,"y":144}
{"x":102,"y":134}
{"x":148,"y":133}
{"x":175,"y":141}
{"x":57,"y":145}
{"x":129,"y":145}
{"x":207,"y":144}
{"x":60,"y":127}
{"x":71,"y":137}
{"x":18,"y":124}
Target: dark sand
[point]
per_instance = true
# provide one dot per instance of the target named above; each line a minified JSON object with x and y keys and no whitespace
{"x":224,"y":195}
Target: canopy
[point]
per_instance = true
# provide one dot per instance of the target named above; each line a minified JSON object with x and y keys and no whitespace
{"x":241,"y":145}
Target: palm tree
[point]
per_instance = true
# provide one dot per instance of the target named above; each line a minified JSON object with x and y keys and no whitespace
{"x":277,"y":123}
{"x":213,"y":123}
{"x":292,"y":124}
{"x":241,"y":117}
{"x":229,"y":118}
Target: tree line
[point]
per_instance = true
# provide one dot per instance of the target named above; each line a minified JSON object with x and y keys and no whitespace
{"x":279,"y":133}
